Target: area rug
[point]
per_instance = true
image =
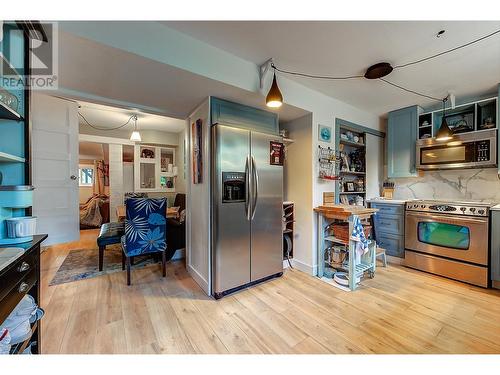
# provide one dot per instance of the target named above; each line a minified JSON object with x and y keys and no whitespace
{"x":82,"y":264}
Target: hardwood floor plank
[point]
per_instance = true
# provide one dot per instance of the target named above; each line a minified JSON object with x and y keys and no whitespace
{"x":401,"y":310}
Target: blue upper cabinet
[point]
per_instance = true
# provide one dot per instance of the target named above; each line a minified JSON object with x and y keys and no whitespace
{"x":400,"y":144}
{"x":239,"y":115}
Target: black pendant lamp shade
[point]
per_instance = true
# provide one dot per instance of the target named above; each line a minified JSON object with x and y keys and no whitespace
{"x":274,"y":99}
{"x":444,"y":133}
{"x":378,"y":70}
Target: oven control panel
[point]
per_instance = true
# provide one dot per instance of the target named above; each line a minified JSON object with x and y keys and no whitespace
{"x":457,"y":208}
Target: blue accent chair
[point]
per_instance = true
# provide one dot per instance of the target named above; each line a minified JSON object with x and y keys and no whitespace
{"x":145,"y":230}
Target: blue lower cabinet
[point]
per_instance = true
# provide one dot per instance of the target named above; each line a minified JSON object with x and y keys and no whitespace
{"x":389,"y":226}
{"x":393,"y":224}
{"x":393,"y":244}
{"x":401,"y":142}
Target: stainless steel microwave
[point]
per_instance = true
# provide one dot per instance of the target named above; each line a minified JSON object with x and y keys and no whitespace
{"x":466,"y":150}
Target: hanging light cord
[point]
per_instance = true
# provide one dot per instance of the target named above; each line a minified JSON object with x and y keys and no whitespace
{"x":132,"y":117}
{"x":307,"y":75}
{"x":447,"y":51}
{"x":410,"y":91}
{"x":311,"y":75}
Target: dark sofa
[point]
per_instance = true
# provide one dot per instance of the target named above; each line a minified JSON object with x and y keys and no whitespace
{"x":176,"y":230}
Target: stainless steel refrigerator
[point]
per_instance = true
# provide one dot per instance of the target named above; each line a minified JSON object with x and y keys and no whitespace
{"x":247,"y":199}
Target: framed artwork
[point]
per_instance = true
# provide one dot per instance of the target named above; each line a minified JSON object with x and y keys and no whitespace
{"x":325,"y":133}
{"x":197,"y":157}
{"x":276,"y":153}
{"x":349,"y":186}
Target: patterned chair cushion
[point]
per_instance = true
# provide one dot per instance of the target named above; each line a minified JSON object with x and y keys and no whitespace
{"x":145,"y":226}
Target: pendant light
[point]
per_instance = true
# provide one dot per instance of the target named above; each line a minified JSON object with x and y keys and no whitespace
{"x":135,"y":136}
{"x":274,"y":99}
{"x":444,"y":133}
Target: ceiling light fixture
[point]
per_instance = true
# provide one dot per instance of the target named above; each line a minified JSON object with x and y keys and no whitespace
{"x":378,"y":70}
{"x":274,"y":98}
{"x":135,"y":136}
{"x":444,"y":133}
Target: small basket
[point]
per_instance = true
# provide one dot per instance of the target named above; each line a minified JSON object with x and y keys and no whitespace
{"x":341,"y":231}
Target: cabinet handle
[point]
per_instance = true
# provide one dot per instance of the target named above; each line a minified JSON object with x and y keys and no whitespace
{"x":23,"y":287}
{"x":23,"y":267}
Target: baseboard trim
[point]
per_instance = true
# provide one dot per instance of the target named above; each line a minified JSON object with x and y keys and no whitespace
{"x":304,"y":267}
{"x":198,"y":278}
{"x":495,"y":284}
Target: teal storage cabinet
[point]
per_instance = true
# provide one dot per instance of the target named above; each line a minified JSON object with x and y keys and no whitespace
{"x":400,"y":145}
{"x":389,"y":225}
{"x":239,"y":115}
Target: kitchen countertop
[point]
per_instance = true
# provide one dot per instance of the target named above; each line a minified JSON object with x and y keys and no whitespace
{"x":495,"y":208}
{"x":388,"y":201}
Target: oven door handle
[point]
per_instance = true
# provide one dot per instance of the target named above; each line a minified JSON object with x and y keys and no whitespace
{"x":447,"y":218}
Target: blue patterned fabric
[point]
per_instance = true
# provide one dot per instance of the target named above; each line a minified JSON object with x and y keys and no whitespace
{"x":145,"y":226}
{"x":358,"y":234}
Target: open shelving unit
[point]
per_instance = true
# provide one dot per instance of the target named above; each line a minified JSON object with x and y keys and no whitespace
{"x":472,"y":117}
{"x":288,"y":230}
{"x":15,"y":163}
{"x":352,"y":171}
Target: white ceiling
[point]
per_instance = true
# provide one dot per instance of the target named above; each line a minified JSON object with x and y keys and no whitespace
{"x":122,"y":79}
{"x":348,"y":47}
{"x":103,"y":116}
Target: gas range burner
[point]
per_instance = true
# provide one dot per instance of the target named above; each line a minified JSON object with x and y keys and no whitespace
{"x":450,"y":207}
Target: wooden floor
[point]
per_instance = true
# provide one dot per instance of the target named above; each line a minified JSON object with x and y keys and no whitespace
{"x":399,"y":311}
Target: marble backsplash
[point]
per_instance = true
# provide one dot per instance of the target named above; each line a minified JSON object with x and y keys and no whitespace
{"x":465,"y":184}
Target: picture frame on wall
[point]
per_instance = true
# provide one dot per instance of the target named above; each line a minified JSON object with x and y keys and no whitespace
{"x":197,"y":157}
{"x":324,"y":133}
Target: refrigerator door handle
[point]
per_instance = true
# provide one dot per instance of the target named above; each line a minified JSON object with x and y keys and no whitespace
{"x":247,"y":187}
{"x":255,"y":189}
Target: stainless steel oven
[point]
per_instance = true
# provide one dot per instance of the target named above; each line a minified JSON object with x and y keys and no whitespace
{"x":468,"y":150}
{"x":448,"y":238}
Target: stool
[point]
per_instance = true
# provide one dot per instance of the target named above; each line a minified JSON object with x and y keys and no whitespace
{"x":381,"y":253}
{"x":111,"y":233}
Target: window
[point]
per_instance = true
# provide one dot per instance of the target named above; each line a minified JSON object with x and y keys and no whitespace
{"x":86,"y":176}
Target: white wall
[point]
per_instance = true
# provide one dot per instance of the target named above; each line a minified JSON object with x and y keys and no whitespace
{"x":298,"y":187}
{"x":115,"y":179}
{"x":198,"y":207}
{"x":324,"y":111}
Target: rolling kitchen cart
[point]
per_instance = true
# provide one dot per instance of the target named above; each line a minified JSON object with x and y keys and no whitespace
{"x":354,"y":268}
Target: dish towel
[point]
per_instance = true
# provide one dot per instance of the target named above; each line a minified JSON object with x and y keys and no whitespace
{"x":358,"y":235}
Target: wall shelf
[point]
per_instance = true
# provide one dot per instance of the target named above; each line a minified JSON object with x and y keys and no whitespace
{"x":351,"y":192}
{"x":8,"y":158}
{"x":353,"y":173}
{"x":350,"y":143}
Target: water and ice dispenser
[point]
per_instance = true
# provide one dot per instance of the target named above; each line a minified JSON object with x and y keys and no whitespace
{"x":233,"y":187}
